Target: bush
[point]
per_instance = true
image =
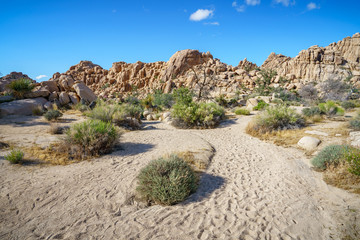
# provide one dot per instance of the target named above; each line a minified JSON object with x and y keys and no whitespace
{"x":353,"y":159}
{"x":21,"y":86}
{"x":348,"y":105}
{"x":335,"y":90}
{"x":311,"y":112}
{"x":355,"y":124}
{"x":163,"y":100}
{"x":308,"y":93}
{"x":330,"y":108}
{"x":102,"y":112}
{"x":38,"y":111}
{"x":15,"y":156}
{"x":81,"y":107}
{"x":52,"y":115}
{"x":330,"y":155}
{"x":242,"y":111}
{"x":204,"y":115}
{"x":91,"y":138}
{"x":221,"y":100}
{"x":183,"y":96}
{"x":274,"y":119}
{"x":166,"y":181}
{"x":286,"y":96}
{"x":261,"y":105}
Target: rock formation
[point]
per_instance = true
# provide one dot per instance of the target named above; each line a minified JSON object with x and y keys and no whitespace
{"x":4,"y":81}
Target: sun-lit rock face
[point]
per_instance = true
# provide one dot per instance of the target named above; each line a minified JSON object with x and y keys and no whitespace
{"x":336,"y":61}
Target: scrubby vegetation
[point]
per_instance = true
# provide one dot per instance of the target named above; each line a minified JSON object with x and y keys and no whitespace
{"x":166,"y":181}
{"x":20,"y":87}
{"x":15,"y":156}
{"x":38,"y":111}
{"x":189,"y":114}
{"x":261,"y":105}
{"x":330,"y":155}
{"x":53,"y":115}
{"x":275,"y":118}
{"x":242,"y":111}
{"x":90,"y":138}
{"x":330,"y":108}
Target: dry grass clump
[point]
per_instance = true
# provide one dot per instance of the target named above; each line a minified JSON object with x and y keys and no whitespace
{"x":20,"y":87}
{"x":340,"y":177}
{"x":166,"y":181}
{"x":189,"y":158}
{"x":54,"y":154}
{"x":55,"y":129}
{"x":53,"y":114}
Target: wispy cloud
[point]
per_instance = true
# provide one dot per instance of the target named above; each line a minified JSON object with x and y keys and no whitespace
{"x":40,"y":77}
{"x":312,"y":6}
{"x":239,"y":8}
{"x":212,"y":23}
{"x":201,"y":14}
{"x":286,"y":3}
{"x":252,"y":2}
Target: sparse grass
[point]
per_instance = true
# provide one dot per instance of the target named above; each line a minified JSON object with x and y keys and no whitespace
{"x":242,"y":111}
{"x":15,"y":156}
{"x":55,"y":129}
{"x":21,"y":86}
{"x":52,"y":115}
{"x":189,"y":158}
{"x":340,"y":177}
{"x":166,"y":181}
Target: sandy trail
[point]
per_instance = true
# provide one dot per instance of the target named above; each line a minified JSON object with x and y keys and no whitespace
{"x":252,"y":190}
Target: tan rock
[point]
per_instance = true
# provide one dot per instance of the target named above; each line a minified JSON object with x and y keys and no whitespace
{"x":64,"y":98}
{"x":84,"y":92}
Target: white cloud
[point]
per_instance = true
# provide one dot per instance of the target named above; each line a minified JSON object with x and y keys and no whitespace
{"x":252,"y":2}
{"x":286,"y":3}
{"x":312,"y":6}
{"x":40,"y":77}
{"x":201,"y":14}
{"x":237,"y":7}
{"x":213,"y":23}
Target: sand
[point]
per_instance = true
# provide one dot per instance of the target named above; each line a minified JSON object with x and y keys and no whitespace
{"x":251,"y":190}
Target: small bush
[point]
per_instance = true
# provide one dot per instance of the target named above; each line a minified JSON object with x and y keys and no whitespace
{"x":81,"y":107}
{"x":335,"y":90}
{"x":353,"y":159}
{"x":163,"y":100}
{"x":52,"y":115}
{"x":308,"y":93}
{"x":221,"y":100}
{"x":286,"y":96}
{"x":311,"y":112}
{"x":15,"y":156}
{"x":274,"y":119}
{"x":355,"y":124}
{"x":56,"y":129}
{"x":101,"y":112}
{"x":242,"y":111}
{"x":38,"y":111}
{"x":183,"y":96}
{"x":21,"y":86}
{"x":330,"y":108}
{"x":91,"y":138}
{"x":330,"y":155}
{"x":261,"y":105}
{"x":166,"y":181}
{"x":348,"y":105}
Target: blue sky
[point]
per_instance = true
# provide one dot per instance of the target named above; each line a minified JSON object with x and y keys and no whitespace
{"x":44,"y":37}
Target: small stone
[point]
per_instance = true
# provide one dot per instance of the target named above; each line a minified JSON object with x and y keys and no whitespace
{"x":308,"y":143}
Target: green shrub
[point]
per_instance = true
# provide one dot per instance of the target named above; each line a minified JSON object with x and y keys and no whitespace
{"x":163,"y":100}
{"x":355,"y":124}
{"x":101,"y":112}
{"x":311,"y":112}
{"x":330,"y":108}
{"x":348,"y":105}
{"x":81,"y":107}
{"x":221,"y":100}
{"x":91,"y":138}
{"x":52,"y":115}
{"x":353,"y":159}
{"x":276,"y":118}
{"x":183,"y":96}
{"x":166,"y":181}
{"x":147,"y":102}
{"x":242,"y":111}
{"x":38,"y":111}
{"x":15,"y":156}
{"x":21,"y":86}
{"x":203,"y":115}
{"x":261,"y":105}
{"x":330,"y":155}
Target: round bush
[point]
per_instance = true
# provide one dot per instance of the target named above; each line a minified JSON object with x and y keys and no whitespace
{"x":330,"y":155}
{"x":242,"y":111}
{"x":353,"y":159}
{"x":166,"y":181}
{"x":15,"y":156}
{"x":52,"y":115}
{"x":21,"y":86}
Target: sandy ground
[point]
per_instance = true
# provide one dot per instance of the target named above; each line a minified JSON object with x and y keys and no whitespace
{"x":251,"y":190}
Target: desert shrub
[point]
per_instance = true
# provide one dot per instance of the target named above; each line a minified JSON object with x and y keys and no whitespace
{"x":52,"y":115}
{"x":308,"y":93}
{"x":38,"y":111}
{"x":183,"y":96}
{"x":242,"y":111}
{"x":221,"y":100}
{"x":21,"y":86}
{"x":263,"y":83}
{"x":330,"y":108}
{"x":147,"y":102}
{"x":276,"y":118}
{"x":15,"y":156}
{"x":335,"y":90}
{"x":353,"y":159}
{"x":330,"y":155}
{"x":131,"y":99}
{"x":286,"y":96}
{"x":130,"y":110}
{"x":348,"y":105}
{"x":166,"y":181}
{"x":56,"y":129}
{"x":163,"y":100}
{"x":102,"y":112}
{"x":355,"y":124}
{"x":311,"y":112}
{"x":204,"y":115}
{"x":91,"y":138}
{"x":261,"y":105}
{"x":81,"y":107}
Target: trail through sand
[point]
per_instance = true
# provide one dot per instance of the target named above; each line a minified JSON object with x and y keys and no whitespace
{"x":251,"y":190}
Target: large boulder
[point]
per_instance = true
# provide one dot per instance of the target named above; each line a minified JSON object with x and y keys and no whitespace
{"x":40,"y":93}
{"x":50,"y":85}
{"x":21,"y":107}
{"x":84,"y":92}
{"x":64,"y":98}
{"x":309,"y":143}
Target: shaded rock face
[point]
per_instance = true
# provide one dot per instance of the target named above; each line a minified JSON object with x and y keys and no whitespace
{"x":21,"y":107}
{"x":4,"y":81}
{"x":336,"y":61}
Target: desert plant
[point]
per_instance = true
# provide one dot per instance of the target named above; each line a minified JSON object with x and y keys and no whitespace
{"x":81,"y":107}
{"x":353,"y":159}
{"x":260,"y":106}
{"x":330,"y":155}
{"x":38,"y":111}
{"x":335,"y":90}
{"x":102,"y":112}
{"x":147,"y":102}
{"x":21,"y":86}
{"x":355,"y":124}
{"x":348,"y":105}
{"x":183,"y":96}
{"x":308,"y":93}
{"x":221,"y":100}
{"x":330,"y":108}
{"x":242,"y":111}
{"x":166,"y":181}
{"x":163,"y":100}
{"x":276,"y":118}
{"x":91,"y":138}
{"x":263,"y":83}
{"x":52,"y":115}
{"x":311,"y":112}
{"x":15,"y":156}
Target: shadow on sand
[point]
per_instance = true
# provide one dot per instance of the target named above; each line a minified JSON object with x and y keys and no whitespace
{"x":208,"y":184}
{"x":226,"y":123}
{"x":129,"y":148}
